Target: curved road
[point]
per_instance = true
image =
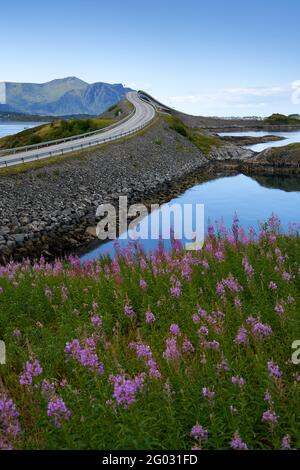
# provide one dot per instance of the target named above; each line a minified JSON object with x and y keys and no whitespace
{"x":143,"y":115}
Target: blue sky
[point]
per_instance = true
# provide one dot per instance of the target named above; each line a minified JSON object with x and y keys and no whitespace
{"x":212,"y":57}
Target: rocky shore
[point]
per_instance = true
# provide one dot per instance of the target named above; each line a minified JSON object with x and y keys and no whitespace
{"x":275,"y":161}
{"x":46,"y":211}
{"x":251,"y":140}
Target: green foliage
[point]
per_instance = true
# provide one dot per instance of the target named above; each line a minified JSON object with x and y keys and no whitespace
{"x":203,"y":142}
{"x":54,"y":130}
{"x":53,"y":305}
{"x":281,"y":119}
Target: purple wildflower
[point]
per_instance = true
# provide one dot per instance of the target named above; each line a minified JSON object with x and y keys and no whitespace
{"x":96,"y":321}
{"x":86,"y":355}
{"x":126,"y":389}
{"x":273,"y":285}
{"x":270,"y":417}
{"x":207,"y":393}
{"x":175,"y":291}
{"x":237,"y":443}
{"x":279,"y":309}
{"x":175,"y":330}
{"x":31,"y":369}
{"x":274,"y":370}
{"x":286,"y":442}
{"x":199,"y":433}
{"x":143,"y":284}
{"x":187,"y":346}
{"x":149,"y":317}
{"x":9,"y":422}
{"x":58,"y":411}
{"x":171,"y":352}
{"x":128,"y":310}
{"x":238,"y":381}
{"x":241,"y":337}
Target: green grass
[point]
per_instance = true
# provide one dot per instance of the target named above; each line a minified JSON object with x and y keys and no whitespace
{"x":44,"y":307}
{"x":204,"y":142}
{"x":53,"y":131}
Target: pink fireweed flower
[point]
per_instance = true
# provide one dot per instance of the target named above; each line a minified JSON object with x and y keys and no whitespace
{"x":175,"y":291}
{"x":31,"y":369}
{"x":96,"y":321}
{"x":149,"y":317}
{"x":196,"y":318}
{"x":274,"y":370}
{"x":238,"y":381}
{"x":203,"y":331}
{"x":219,"y":255}
{"x":248,"y":268}
{"x":171,"y":352}
{"x":208,"y":247}
{"x":202,"y":313}
{"x":220,"y":289}
{"x":207,"y":393}
{"x":58,"y":411}
{"x":143,"y":351}
{"x":175,"y":330}
{"x":143,"y":284}
{"x":273,"y":285}
{"x":237,"y":443}
{"x":279,"y":309}
{"x":9,"y":422}
{"x":17,"y":333}
{"x":223,"y":366}
{"x":126,"y":389}
{"x":268,"y":398}
{"x":153,"y":370}
{"x":270,"y":417}
{"x":259,"y":330}
{"x":241,"y":337}
{"x":128,"y":310}
{"x":48,"y":388}
{"x":187,"y":346}
{"x":286,"y":276}
{"x":286,"y":442}
{"x":86,"y":355}
{"x":199,"y":433}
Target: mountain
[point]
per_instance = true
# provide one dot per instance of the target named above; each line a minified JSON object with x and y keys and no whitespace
{"x":60,"y":97}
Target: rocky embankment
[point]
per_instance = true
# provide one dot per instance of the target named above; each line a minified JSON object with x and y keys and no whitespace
{"x":47,"y":210}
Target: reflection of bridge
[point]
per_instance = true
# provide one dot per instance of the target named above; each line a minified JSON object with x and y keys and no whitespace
{"x":143,"y":95}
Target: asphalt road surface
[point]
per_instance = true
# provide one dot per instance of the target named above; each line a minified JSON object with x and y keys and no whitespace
{"x":143,"y":115}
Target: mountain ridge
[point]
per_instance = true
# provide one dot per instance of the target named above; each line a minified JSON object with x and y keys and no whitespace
{"x":62,"y":96}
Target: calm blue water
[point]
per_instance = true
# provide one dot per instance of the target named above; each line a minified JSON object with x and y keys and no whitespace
{"x":290,"y":138}
{"x":253,"y":201}
{"x":11,"y":127}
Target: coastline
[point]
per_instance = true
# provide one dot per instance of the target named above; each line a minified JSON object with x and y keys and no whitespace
{"x":49,"y":211}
